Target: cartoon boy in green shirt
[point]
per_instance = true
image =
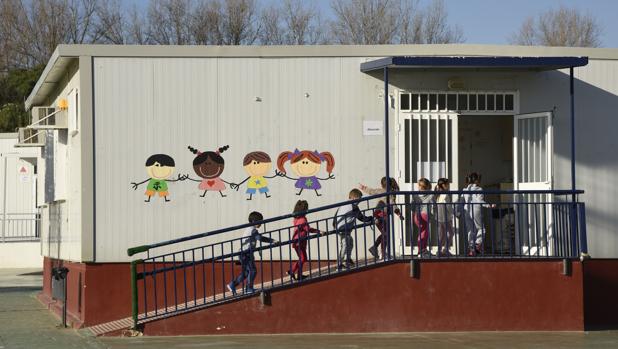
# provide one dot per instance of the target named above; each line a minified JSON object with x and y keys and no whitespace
{"x":159,"y":168}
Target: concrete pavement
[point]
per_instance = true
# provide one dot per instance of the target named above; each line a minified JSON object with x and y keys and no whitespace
{"x":482,"y":340}
{"x":26,"y":323}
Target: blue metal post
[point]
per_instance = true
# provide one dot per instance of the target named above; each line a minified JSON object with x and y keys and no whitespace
{"x":387,"y":166}
{"x":572,"y":89}
{"x":574,"y":224}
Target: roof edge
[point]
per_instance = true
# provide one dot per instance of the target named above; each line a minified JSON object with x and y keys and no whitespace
{"x":330,"y":51}
{"x":310,"y":51}
{"x":50,"y":64}
{"x":475,"y":62}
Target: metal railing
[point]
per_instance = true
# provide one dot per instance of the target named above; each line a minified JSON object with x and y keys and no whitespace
{"x":20,"y":227}
{"x":530,"y":224}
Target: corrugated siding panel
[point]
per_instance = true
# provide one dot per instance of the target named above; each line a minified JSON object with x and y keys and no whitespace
{"x":596,"y":105}
{"x":62,"y":236}
{"x":161,"y":105}
{"x":20,"y":196}
{"x":148,"y":106}
{"x":596,"y":101}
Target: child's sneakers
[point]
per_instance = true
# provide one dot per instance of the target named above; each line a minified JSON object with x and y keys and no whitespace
{"x":232,"y":288}
{"x":374,"y":252}
{"x":345,"y":266}
{"x":479,"y":248}
{"x":291,"y":275}
{"x":249,"y":290}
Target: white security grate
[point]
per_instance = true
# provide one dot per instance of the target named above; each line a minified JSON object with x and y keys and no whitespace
{"x":461,"y":102}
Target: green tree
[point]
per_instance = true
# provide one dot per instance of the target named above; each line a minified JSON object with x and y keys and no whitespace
{"x":12,"y":116}
{"x":14,"y":89}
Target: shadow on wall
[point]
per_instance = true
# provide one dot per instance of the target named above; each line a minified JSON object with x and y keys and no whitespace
{"x":595,"y":153}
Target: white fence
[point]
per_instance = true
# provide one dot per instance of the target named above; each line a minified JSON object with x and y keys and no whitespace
{"x":20,"y":227}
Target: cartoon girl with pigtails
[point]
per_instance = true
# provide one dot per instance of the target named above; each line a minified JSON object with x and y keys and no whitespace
{"x":306,"y":164}
{"x":208,"y":166}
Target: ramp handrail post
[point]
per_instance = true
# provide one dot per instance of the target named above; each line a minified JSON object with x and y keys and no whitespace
{"x":134,"y":297}
{"x":583,"y":238}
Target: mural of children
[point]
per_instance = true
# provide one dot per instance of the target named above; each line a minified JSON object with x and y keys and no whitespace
{"x":257,"y":164}
{"x":208,"y":166}
{"x":306,"y":164}
{"x":159,"y":168}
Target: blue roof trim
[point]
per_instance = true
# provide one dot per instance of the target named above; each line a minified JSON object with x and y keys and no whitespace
{"x":539,"y":63}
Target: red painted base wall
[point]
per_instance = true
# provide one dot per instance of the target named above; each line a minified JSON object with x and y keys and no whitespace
{"x":448,"y":296}
{"x":104,"y":293}
{"x":601,"y":294}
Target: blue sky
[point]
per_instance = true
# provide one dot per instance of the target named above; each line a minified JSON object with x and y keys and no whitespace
{"x":492,"y":21}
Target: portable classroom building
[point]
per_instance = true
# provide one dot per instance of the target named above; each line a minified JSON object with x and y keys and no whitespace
{"x":128,"y":103}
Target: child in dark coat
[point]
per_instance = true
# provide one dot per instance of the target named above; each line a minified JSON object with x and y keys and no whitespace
{"x":247,"y":260}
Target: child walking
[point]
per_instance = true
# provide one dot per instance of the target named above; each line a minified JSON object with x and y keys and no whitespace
{"x":247,"y":260}
{"x":394,"y":187}
{"x":445,"y":217}
{"x":344,"y":223}
{"x":380,"y":217}
{"x":421,"y":216}
{"x":473,"y":213}
{"x":302,"y":230}
{"x":382,"y":220}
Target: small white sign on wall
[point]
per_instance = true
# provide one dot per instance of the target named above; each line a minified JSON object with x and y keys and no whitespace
{"x":373,"y":128}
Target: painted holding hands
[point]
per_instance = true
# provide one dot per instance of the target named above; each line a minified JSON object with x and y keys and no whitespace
{"x":209,"y":166}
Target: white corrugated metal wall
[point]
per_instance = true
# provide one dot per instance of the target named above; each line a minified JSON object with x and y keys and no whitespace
{"x":596,"y":105}
{"x":19,"y":181}
{"x":61,"y":232}
{"x":20,"y":186}
{"x":146,"y":106}
{"x":149,"y":106}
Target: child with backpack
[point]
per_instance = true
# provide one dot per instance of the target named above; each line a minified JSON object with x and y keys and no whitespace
{"x":381,"y":219}
{"x":344,"y":222}
{"x":247,"y":260}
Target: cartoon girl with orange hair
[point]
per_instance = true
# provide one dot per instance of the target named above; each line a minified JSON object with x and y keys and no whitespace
{"x":306,"y":164}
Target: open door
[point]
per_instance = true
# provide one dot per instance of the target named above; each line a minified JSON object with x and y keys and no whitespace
{"x":427,"y":148}
{"x":533,"y":170}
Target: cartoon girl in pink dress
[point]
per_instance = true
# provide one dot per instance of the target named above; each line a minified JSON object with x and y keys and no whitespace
{"x":209,"y":165}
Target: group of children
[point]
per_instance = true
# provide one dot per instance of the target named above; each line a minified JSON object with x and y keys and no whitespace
{"x":345,"y":220}
{"x":468,"y":207}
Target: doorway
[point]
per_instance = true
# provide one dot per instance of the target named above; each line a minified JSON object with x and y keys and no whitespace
{"x":485,"y":146}
{"x":450,"y":134}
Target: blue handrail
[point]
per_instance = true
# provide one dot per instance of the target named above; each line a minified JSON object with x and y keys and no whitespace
{"x":144,"y":248}
{"x":516,"y":229}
